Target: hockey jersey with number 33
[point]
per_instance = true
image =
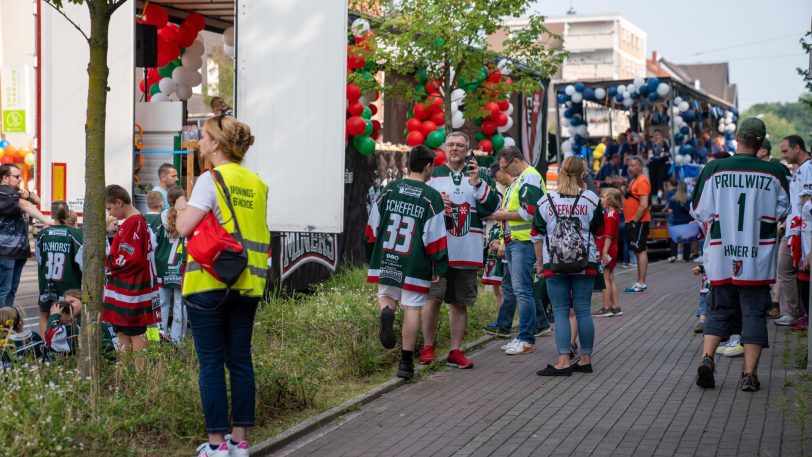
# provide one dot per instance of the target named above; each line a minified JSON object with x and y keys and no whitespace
{"x":407,"y":228}
{"x":742,"y":198}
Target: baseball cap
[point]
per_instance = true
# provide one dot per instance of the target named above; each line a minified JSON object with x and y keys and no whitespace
{"x":767,"y":145}
{"x":754,"y":128}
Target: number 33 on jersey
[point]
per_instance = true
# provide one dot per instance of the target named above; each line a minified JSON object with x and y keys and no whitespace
{"x":407,"y":233}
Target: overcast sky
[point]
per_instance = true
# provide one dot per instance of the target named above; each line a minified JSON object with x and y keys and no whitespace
{"x":758,"y":38}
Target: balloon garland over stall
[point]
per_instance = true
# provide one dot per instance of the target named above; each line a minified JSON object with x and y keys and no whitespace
{"x":360,"y":108}
{"x":180,"y":56}
{"x":19,"y":155}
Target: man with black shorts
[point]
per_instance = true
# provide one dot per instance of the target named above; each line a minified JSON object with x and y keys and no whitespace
{"x":637,"y":214}
{"x":742,"y":198}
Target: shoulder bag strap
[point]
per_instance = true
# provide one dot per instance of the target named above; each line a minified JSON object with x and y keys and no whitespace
{"x":220,"y":184}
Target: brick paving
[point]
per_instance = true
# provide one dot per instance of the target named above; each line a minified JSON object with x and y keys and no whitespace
{"x":641,"y":400}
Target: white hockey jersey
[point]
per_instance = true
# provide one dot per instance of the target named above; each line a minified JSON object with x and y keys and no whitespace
{"x":799,"y":182}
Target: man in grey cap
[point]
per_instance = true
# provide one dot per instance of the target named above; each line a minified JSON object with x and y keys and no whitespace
{"x":740,"y":199}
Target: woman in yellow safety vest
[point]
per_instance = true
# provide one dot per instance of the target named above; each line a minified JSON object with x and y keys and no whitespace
{"x":222,"y":318}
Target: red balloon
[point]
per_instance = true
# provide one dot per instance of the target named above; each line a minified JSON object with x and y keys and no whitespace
{"x":439,"y":158}
{"x":155,"y":15}
{"x":427,"y":127}
{"x":353,"y":92}
{"x":494,"y":77}
{"x":153,"y":76}
{"x":168,"y":32}
{"x":195,"y":22}
{"x":503,"y":105}
{"x":492,"y":107}
{"x":377,"y":96}
{"x":356,"y":125}
{"x":412,"y":139}
{"x":413,"y":124}
{"x":507,"y":81}
{"x":167,"y":52}
{"x":434,"y":102}
{"x":355,"y":108}
{"x":438,"y":118}
{"x":141,"y":86}
{"x":6,"y":159}
{"x":374,"y":135}
{"x":501,"y":119}
{"x":432,"y":87}
{"x":486,"y":145}
{"x":373,"y":108}
{"x":421,"y":112}
{"x":488,"y":127}
{"x":355,"y":61}
{"x":376,"y":126}
{"x":186,"y":36}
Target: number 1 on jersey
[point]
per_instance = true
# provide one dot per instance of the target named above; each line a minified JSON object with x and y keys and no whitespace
{"x":742,"y":199}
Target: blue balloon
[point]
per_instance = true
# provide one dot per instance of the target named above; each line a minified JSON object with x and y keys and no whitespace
{"x":635,"y":95}
{"x":3,"y":144}
{"x":686,"y":149}
{"x":578,"y":139}
{"x":619,"y":98}
{"x":689,"y":116}
{"x":685,"y":130}
{"x":561,"y":91}
{"x":589,"y":93}
{"x":643,"y":90}
{"x":561,"y":99}
{"x":653,"y":96}
{"x":576,"y":120}
{"x":679,"y":138}
{"x":652,"y":84}
{"x":568,"y":113}
{"x":612,"y":91}
{"x":579,"y":87}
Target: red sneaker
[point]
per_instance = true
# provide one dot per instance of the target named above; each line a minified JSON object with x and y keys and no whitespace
{"x":800,"y":324}
{"x":427,"y":355}
{"x":457,"y":359}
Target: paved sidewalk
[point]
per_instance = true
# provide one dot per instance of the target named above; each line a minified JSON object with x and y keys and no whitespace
{"x":641,"y":400}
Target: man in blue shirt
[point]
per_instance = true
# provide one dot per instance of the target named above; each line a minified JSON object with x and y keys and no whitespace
{"x":167,"y":179}
{"x":610,"y":171}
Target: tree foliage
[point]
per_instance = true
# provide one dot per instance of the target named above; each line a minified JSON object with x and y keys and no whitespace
{"x":804,"y":72}
{"x":782,"y":119}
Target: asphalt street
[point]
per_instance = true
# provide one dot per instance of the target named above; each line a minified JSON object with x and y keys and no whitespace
{"x":27,"y":295}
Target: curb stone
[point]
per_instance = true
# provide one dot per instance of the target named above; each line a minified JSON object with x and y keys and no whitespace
{"x":306,"y":427}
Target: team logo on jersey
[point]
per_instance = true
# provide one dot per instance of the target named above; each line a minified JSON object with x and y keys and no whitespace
{"x":489,"y":267}
{"x":461,"y":223}
{"x":737,"y":268}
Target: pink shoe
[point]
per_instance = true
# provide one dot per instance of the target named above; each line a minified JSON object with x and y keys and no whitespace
{"x":800,"y":324}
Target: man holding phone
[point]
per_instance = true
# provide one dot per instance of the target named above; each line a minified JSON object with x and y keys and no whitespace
{"x":468,"y":198}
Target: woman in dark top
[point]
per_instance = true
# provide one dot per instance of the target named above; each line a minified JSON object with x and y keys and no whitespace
{"x":679,"y":210}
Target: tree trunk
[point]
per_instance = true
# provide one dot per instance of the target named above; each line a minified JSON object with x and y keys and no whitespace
{"x":94,"y":205}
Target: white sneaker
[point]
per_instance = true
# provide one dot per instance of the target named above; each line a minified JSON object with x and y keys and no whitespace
{"x":784,"y":320}
{"x":735,"y":350}
{"x":519,"y":347}
{"x":237,"y":450}
{"x":672,"y":259}
{"x":206,"y":451}
{"x":507,"y":345}
{"x":699,"y":259}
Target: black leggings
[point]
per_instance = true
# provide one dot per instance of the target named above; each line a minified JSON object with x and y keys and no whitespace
{"x":803,"y":291}
{"x":686,"y":250}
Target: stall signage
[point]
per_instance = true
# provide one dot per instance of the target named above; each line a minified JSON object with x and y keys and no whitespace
{"x":300,"y":248}
{"x":532,"y":119}
{"x":14,"y":98}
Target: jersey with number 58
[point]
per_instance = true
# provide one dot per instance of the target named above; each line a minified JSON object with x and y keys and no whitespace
{"x":59,"y":268}
{"x":742,"y":198}
{"x":407,"y":230}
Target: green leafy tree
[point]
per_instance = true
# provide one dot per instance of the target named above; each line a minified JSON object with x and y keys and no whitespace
{"x":807,"y":47}
{"x":224,"y":86}
{"x":101,"y":11}
{"x":457,"y":43}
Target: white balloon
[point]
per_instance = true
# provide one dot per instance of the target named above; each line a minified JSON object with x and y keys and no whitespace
{"x":191,"y":61}
{"x":639,"y":82}
{"x":509,"y":111}
{"x":662,"y":89}
{"x":457,"y":95}
{"x":359,"y":27}
{"x":565,"y":122}
{"x":582,"y":130}
{"x":627,"y":95}
{"x":228,"y":36}
{"x":509,"y":141}
{"x":627,"y":102}
{"x":197,"y":79}
{"x":577,"y":97}
{"x":569,"y":90}
{"x":566,"y":146}
{"x":197,"y":48}
{"x":600,"y":93}
{"x":730,"y":127}
{"x":167,"y":85}
{"x":621,"y":89}
{"x":677,"y":100}
{"x":507,"y":126}
{"x":183,"y":76}
{"x":503,"y":67}
{"x":229,"y":50}
{"x":184,"y":92}
{"x":721,"y":129}
{"x":159,"y":97}
{"x":631,"y":88}
{"x":457,"y":120}
{"x":674,"y":110}
{"x":683,"y":106}
{"x":454,"y":107}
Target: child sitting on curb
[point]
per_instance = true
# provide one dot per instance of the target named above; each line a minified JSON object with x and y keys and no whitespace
{"x":18,"y":343}
{"x":64,"y":325}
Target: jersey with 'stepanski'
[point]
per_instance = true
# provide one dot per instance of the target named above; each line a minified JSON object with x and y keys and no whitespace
{"x":742,"y":198}
{"x":407,"y":229}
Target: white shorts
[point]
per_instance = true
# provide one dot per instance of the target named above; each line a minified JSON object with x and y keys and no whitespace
{"x":406,"y":297}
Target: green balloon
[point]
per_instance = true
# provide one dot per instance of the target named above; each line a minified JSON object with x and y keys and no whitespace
{"x":182,"y":51}
{"x":365,"y":145}
{"x":479,"y":136}
{"x":442,"y":132}
{"x":369,"y":65}
{"x":421,"y":91}
{"x":498,"y":141}
{"x":367,"y":114}
{"x":422,"y":76}
{"x":435,"y":139}
{"x":166,"y":71}
{"x":483,"y":75}
{"x":470,"y":87}
{"x":367,"y":76}
{"x":478,"y":121}
{"x":369,"y":128}
{"x":439,"y":42}
{"x":154,"y":89}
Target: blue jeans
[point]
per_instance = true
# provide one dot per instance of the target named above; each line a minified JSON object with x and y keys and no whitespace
{"x":519,"y":289}
{"x":621,"y":240}
{"x":222,"y":336}
{"x":702,"y":305}
{"x":10,"y":272}
{"x":576,"y":291}
{"x":508,"y":309}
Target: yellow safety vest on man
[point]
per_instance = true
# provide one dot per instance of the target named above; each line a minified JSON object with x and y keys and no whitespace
{"x":523,"y":197}
{"x":249,"y":197}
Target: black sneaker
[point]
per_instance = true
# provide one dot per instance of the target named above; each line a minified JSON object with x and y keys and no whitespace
{"x":578,"y":368}
{"x":603,"y":312}
{"x":616,"y":311}
{"x":749,"y":383}
{"x":551,"y":370}
{"x":387,"y":335}
{"x":406,"y":369}
{"x":704,"y":374}
{"x":497,"y":331}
